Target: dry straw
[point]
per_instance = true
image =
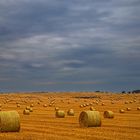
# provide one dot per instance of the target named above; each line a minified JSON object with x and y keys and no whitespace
{"x":45,"y":105}
{"x":32,"y":105}
{"x":70,"y":112}
{"x":126,"y":102}
{"x":130,"y":102}
{"x":92,"y":108}
{"x":26,"y":112}
{"x":138,"y":108}
{"x":9,"y":121}
{"x":121,"y":111}
{"x":90,"y":119}
{"x":103,"y":104}
{"x":84,"y":105}
{"x":60,"y":114}
{"x":18,"y":105}
{"x":108,"y":114}
{"x":28,"y":107}
{"x":31,"y":109}
{"x":56,"y":108}
{"x":128,"y":109}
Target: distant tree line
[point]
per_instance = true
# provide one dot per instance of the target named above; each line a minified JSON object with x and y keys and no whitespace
{"x":134,"y":91}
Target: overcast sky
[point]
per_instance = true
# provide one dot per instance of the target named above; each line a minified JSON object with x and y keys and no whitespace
{"x":69,"y":45}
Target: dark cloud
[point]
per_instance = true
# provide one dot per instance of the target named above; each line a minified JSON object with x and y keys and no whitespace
{"x":51,"y":41}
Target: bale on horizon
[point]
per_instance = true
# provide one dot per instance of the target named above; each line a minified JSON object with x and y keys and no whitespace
{"x":60,"y":114}
{"x":70,"y":112}
{"x":108,"y":114}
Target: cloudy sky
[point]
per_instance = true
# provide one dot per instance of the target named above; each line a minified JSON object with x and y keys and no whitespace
{"x":69,"y":45}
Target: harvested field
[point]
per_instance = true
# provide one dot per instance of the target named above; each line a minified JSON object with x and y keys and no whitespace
{"x":42,"y":123}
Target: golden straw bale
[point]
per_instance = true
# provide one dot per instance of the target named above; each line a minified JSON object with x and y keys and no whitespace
{"x":92,"y":108}
{"x":26,"y":112}
{"x":128,"y":109}
{"x":9,"y":121}
{"x":45,"y":105}
{"x":138,"y":108}
{"x":121,"y":111}
{"x":130,"y":102}
{"x":126,"y":102}
{"x":84,"y":105}
{"x":60,"y":114}
{"x":70,"y":112}
{"x":27,"y":107}
{"x":31,"y":105}
{"x":103,"y":104}
{"x":90,"y":119}
{"x":31,"y":109}
{"x":91,"y":103}
{"x":108,"y":114}
{"x":18,"y":105}
{"x":56,"y":108}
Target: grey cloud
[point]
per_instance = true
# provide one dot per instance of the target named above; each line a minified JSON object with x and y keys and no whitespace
{"x":66,"y":41}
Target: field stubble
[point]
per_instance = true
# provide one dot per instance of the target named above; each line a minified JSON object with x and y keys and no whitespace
{"x":42,"y":124}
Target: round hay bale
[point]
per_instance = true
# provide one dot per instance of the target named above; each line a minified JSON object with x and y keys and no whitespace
{"x":70,"y":112}
{"x":27,"y":107}
{"x":9,"y":121}
{"x":26,"y":112}
{"x":92,"y":108}
{"x":31,"y":109}
{"x":0,"y":105}
{"x":18,"y":105}
{"x":56,"y":108}
{"x":138,"y":108}
{"x":128,"y":109}
{"x":126,"y":102}
{"x":44,"y":105}
{"x":90,"y":119}
{"x":32,"y":105}
{"x":130,"y":102}
{"x":91,"y":103}
{"x":121,"y":111}
{"x":103,"y":104}
{"x":81,"y":106}
{"x":97,"y":103}
{"x":108,"y":114}
{"x":60,"y":114}
{"x":84,"y":105}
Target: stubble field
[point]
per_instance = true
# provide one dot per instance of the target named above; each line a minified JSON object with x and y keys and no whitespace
{"x":42,"y":123}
